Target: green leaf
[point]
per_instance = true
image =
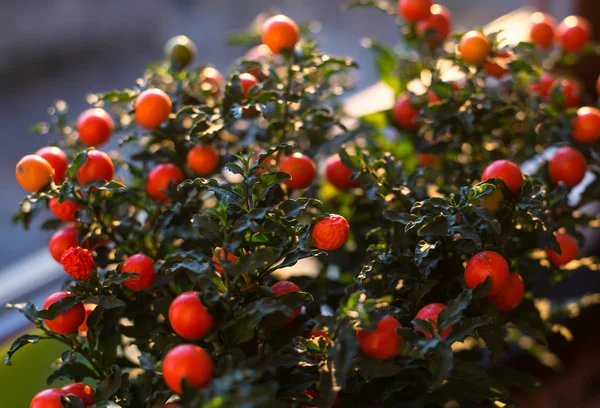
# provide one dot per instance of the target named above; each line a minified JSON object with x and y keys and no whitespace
{"x":78,"y":161}
{"x":440,"y":364}
{"x":73,"y":371}
{"x":387,"y":65}
{"x":58,"y":308}
{"x":19,"y":343}
{"x":109,"y":386}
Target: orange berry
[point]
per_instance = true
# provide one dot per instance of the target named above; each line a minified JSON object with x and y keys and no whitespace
{"x":331,"y":233}
{"x":568,"y":247}
{"x":573,"y":33}
{"x":280,"y":33}
{"x":542,"y":30}
{"x":48,"y":398}
{"x":95,"y":127}
{"x":33,"y":173}
{"x":189,"y":318}
{"x":497,"y":66}
{"x":301,"y":168}
{"x":64,"y":211}
{"x":98,"y":166}
{"x":542,"y":87}
{"x":83,"y":391}
{"x":474,"y":47}
{"x":152,"y":108}
{"x":203,"y":159}
{"x":491,"y":201}
{"x":586,"y":126}
{"x":161,"y":177}
{"x":414,"y":10}
{"x":567,"y":166}
{"x":57,"y":159}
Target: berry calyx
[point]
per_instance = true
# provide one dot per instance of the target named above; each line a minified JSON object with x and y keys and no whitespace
{"x":331,"y":233}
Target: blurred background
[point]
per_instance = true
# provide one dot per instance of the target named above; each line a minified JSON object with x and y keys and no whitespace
{"x":64,"y":49}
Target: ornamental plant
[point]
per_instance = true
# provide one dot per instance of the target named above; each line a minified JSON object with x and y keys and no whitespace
{"x":429,"y":235}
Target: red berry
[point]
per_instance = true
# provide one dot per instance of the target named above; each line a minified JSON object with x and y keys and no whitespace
{"x":49,"y":398}
{"x":98,"y":166}
{"x":247,"y":82}
{"x":436,"y":27}
{"x":569,"y":250}
{"x":570,"y":89}
{"x":511,"y":294}
{"x":567,"y":166}
{"x":152,"y":108}
{"x":506,"y":171}
{"x":301,"y":168}
{"x":414,"y":10}
{"x":573,"y":33}
{"x":95,"y":127}
{"x":70,"y":320}
{"x":161,"y":177}
{"x":64,"y":211}
{"x":586,"y":126}
{"x":89,"y":308}
{"x":62,"y":240}
{"x":542,"y":88}
{"x":542,"y":30}
{"x":338,"y":173}
{"x":497,"y":66}
{"x":212,"y":80}
{"x":428,"y":160}
{"x":78,"y":262}
{"x":142,"y":265}
{"x":188,"y":316}
{"x":83,"y":391}
{"x":331,"y":233}
{"x":203,"y":159}
{"x":431,"y":312}
{"x":280,"y":33}
{"x":404,"y":115}
{"x":57,"y":159}
{"x":315,"y":333}
{"x":219,"y":256}
{"x":190,"y":362}
{"x":383,"y":342}
{"x":283,"y":287}
{"x":484,"y":264}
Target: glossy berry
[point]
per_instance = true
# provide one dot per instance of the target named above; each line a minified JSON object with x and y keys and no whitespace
{"x":569,"y":250}
{"x":33,"y":173}
{"x":161,"y":177}
{"x":152,"y":108}
{"x":188,"y":316}
{"x":301,"y":168}
{"x":570,"y":89}
{"x":542,"y":30}
{"x":142,"y":265}
{"x":573,"y":33}
{"x":567,"y":166}
{"x":219,"y":256}
{"x":484,"y":264}
{"x":280,"y":33}
{"x":49,"y":398}
{"x":330,"y":233}
{"x":180,"y":51}
{"x":64,"y":211}
{"x":190,"y":362}
{"x":506,"y":171}
{"x":586,"y":126}
{"x":338,"y":173}
{"x":436,"y":27}
{"x":497,"y":67}
{"x":383,"y":342}
{"x":474,"y":47}
{"x":78,"y":262}
{"x":511,"y":295}
{"x":98,"y":166}
{"x":491,"y":201}
{"x":57,"y":159}
{"x":212,"y":80}
{"x":83,"y":391}
{"x":247,"y":82}
{"x":95,"y":127}
{"x":431,"y":312}
{"x":203,"y":159}
{"x":404,"y":114}
{"x":542,"y":87}
{"x":62,"y":240}
{"x":414,"y":10}
{"x":70,"y":320}
{"x":283,"y":287}
{"x":89,"y":308}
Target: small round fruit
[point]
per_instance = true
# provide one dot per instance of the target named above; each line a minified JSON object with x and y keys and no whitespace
{"x":190,"y":362}
{"x":83,"y":391}
{"x":95,"y":127}
{"x":203,"y":159}
{"x":542,"y":30}
{"x":571,"y":91}
{"x":212,"y":80}
{"x":573,"y":33}
{"x":49,"y":398}
{"x":569,"y":250}
{"x":70,"y":320}
{"x":404,"y":115}
{"x":188,"y":316}
{"x":511,"y":294}
{"x":280,"y":33}
{"x":491,"y":201}
{"x":152,"y":108}
{"x":506,"y":171}
{"x":142,"y":265}
{"x":414,"y":10}
{"x":64,"y":211}
{"x":78,"y":263}
{"x":436,"y":27}
{"x":218,"y":257}
{"x":484,"y":264}
{"x":567,"y":166}
{"x":98,"y":166}
{"x":62,"y":240}
{"x":428,"y":160}
{"x":431,"y":312}
{"x":474,"y":47}
{"x":180,"y":51}
{"x":33,"y":173}
{"x":247,"y":82}
{"x":89,"y":308}
{"x":301,"y":168}
{"x":331,"y":233}
{"x":496,"y":67}
{"x":542,"y":87}
{"x":57,"y":159}
{"x":161,"y":177}
{"x":383,"y":342}
{"x":338,"y":173}
{"x":283,"y":287}
{"x":586,"y":126}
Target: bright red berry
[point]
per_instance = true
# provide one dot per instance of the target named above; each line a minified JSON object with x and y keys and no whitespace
{"x":569,"y":250}
{"x":283,"y":287}
{"x":62,"y":240}
{"x":567,"y":166}
{"x":511,"y":294}
{"x":506,"y":171}
{"x":331,"y":233}
{"x":161,"y":177}
{"x":404,"y":115}
{"x":573,"y":33}
{"x":188,"y":316}
{"x":570,"y":89}
{"x":414,"y":10}
{"x":98,"y":166}
{"x":431,"y":312}
{"x":436,"y":27}
{"x":383,"y":342}
{"x":190,"y":362}
{"x":301,"y":168}
{"x":542,"y":30}
{"x":95,"y":127}
{"x":78,"y":262}
{"x":219,"y":256}
{"x":57,"y":159}
{"x":338,"y":173}
{"x":247,"y":82}
{"x":70,"y":320}
{"x":152,"y":108}
{"x":142,"y":265}
{"x":89,"y":308}
{"x":212,"y":80}
{"x":586,"y":126}
{"x":49,"y":398}
{"x":83,"y":391}
{"x":487,"y":264}
{"x":280,"y":33}
{"x":64,"y":211}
